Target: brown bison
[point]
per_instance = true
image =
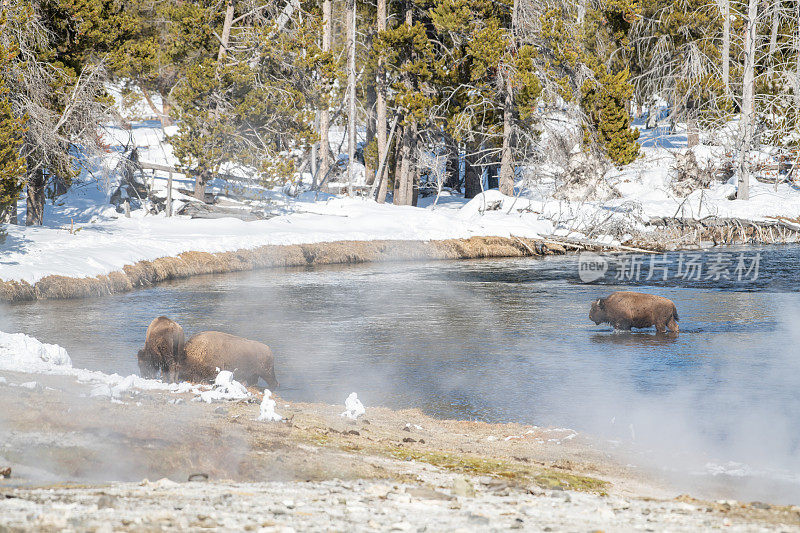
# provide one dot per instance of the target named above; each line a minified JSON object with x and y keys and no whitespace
{"x":626,"y":310}
{"x":211,"y":350}
{"x":163,"y":350}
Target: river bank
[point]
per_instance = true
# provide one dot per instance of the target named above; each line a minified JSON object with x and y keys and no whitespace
{"x":145,"y":273}
{"x":388,"y":470}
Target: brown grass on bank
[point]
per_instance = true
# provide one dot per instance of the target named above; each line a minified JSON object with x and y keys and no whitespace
{"x":681,"y":236}
{"x":187,"y":264}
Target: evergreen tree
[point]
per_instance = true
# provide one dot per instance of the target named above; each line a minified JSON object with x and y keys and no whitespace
{"x":252,"y":106}
{"x":12,"y":164}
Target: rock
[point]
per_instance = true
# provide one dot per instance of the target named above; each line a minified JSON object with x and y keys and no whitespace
{"x":477,"y":519}
{"x":760,"y":505}
{"x":198,"y":477}
{"x":377,"y":491}
{"x":424,"y":493}
{"x":462,"y":487}
{"x":221,"y":410}
{"x":106,"y":501}
{"x":604,"y":513}
{"x":536,"y":490}
{"x":5,"y":472}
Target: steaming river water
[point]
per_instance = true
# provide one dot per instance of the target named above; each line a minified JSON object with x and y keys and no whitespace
{"x":509,"y":340}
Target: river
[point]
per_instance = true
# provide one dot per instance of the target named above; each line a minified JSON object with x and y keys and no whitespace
{"x":509,"y":340}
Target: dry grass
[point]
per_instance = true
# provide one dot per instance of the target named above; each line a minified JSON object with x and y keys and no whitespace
{"x":187,"y":264}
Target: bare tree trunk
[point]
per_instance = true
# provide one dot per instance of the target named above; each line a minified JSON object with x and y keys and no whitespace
{"x":398,"y":161}
{"x":351,"y":94}
{"x":162,"y":114}
{"x":793,"y":173}
{"x":34,"y":215}
{"x":506,"y":183}
{"x":226,"y":32}
{"x":472,"y":176}
{"x":370,"y":164}
{"x":726,"y":46}
{"x":773,"y":36}
{"x":166,"y":118}
{"x":453,"y":166}
{"x":403,"y":179}
{"x":200,"y":185}
{"x":746,"y":120}
{"x":381,"y":185}
{"x":692,"y":129}
{"x":324,"y":113}
{"x":412,"y":178}
{"x":8,"y":213}
{"x":380,"y":104}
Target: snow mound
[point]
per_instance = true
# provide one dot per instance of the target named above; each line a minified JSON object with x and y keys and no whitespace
{"x":225,"y":388}
{"x":21,"y":353}
{"x":353,"y":407}
{"x":493,"y":200}
{"x":268,"y":408}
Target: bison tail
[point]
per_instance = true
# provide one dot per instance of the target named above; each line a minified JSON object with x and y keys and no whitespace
{"x":675,"y":313}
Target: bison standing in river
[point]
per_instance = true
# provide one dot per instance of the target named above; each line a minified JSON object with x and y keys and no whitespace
{"x":209,"y":351}
{"x":163,"y":349}
{"x":626,"y":310}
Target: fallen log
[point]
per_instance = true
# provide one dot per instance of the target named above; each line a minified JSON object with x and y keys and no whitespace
{"x":587,"y":244}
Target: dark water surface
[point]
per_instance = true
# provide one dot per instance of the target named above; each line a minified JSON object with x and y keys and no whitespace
{"x":506,"y":340}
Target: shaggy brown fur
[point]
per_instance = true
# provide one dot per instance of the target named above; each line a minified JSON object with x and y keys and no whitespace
{"x":163,"y":349}
{"x":210,"y":350}
{"x":626,"y":310}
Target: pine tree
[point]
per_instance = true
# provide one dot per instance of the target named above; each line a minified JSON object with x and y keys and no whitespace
{"x":252,"y":106}
{"x":409,"y":57}
{"x":12,"y":164}
{"x":609,"y":121}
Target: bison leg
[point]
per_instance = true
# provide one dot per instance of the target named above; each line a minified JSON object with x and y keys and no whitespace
{"x":672,"y":325}
{"x":172,"y":372}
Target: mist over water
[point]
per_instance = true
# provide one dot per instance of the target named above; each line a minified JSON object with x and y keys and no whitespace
{"x":717,"y":407}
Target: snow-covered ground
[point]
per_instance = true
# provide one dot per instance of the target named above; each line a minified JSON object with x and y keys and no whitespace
{"x":85,"y":236}
{"x":23,"y":354}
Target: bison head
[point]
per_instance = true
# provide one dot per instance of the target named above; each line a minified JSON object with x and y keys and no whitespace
{"x":147,"y":368}
{"x":598,"y":312}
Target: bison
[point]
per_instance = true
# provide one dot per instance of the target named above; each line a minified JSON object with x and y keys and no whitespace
{"x":163,"y":349}
{"x":626,"y":310}
{"x":210,"y":351}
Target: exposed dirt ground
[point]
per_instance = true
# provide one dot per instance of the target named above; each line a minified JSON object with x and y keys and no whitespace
{"x":54,"y":436}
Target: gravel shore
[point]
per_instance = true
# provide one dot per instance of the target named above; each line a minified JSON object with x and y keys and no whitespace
{"x":438,"y":502}
{"x":77,"y":463}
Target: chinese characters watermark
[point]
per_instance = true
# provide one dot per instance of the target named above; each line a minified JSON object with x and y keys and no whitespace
{"x":688,"y":266}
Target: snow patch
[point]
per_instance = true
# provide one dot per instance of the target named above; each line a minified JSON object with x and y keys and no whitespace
{"x":353,"y":407}
{"x":21,"y":353}
{"x":224,"y":388}
{"x":268,"y":408}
